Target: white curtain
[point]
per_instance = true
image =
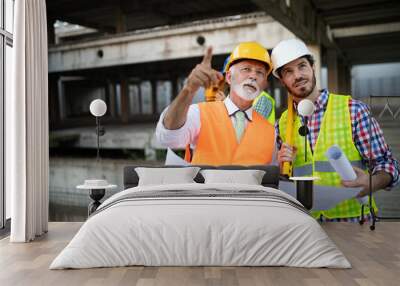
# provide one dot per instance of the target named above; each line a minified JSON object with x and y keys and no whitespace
{"x":27,"y":124}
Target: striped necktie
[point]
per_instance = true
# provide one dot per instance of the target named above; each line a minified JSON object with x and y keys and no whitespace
{"x":239,"y":124}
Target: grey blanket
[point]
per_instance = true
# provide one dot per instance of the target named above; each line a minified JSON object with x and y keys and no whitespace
{"x":205,"y":194}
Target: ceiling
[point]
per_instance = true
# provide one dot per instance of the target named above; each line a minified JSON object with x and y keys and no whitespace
{"x":366,"y":31}
{"x":362,"y":31}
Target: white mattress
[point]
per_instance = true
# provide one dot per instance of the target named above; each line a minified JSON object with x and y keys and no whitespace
{"x":183,"y":231}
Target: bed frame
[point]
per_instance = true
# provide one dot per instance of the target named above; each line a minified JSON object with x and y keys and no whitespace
{"x":270,"y":179}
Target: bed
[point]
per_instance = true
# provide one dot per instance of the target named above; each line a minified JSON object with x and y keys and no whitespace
{"x":201,"y":222}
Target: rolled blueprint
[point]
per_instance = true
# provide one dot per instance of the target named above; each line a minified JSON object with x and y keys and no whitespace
{"x":340,"y":163}
{"x":343,"y":167}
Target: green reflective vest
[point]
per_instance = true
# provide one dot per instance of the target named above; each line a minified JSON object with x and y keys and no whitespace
{"x":335,"y":129}
{"x":264,"y":104}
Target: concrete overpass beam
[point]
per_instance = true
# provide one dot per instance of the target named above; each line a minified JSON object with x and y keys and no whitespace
{"x":300,"y":17}
{"x":297,"y":16}
{"x":165,"y":44}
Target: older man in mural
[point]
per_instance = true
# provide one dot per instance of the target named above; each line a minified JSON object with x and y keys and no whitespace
{"x":222,"y":132}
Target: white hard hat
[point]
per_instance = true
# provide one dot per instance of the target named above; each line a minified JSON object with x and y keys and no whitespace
{"x":287,"y":51}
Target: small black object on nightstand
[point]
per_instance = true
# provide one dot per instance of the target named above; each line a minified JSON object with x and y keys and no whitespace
{"x":97,"y":190}
{"x":96,"y":195}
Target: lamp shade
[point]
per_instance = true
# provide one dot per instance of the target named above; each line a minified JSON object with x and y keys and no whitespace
{"x":98,"y":107}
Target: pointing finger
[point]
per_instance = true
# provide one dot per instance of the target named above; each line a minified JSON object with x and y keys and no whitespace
{"x":207,"y":57}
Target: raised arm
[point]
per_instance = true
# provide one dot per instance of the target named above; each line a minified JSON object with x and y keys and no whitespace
{"x":202,"y":75}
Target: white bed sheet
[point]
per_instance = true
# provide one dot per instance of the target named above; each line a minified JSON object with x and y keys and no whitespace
{"x":200,"y":232}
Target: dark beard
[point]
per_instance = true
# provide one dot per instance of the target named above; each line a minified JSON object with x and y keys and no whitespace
{"x":304,"y":92}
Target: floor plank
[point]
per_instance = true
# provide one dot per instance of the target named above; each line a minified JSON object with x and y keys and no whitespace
{"x":374,"y":255}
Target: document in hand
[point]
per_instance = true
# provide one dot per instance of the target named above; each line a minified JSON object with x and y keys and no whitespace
{"x":173,"y":159}
{"x":325,"y":197}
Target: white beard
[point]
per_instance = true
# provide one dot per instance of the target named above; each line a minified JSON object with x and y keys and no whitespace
{"x":243,"y":92}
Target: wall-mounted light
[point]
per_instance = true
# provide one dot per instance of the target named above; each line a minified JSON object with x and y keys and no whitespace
{"x":98,"y":108}
{"x":97,"y":187}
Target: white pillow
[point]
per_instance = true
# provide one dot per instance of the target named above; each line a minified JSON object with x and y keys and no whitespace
{"x":248,"y":177}
{"x":166,"y":176}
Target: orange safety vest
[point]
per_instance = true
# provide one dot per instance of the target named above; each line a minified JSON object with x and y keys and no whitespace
{"x":217,"y":143}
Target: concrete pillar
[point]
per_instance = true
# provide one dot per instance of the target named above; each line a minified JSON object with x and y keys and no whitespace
{"x":175,"y":90}
{"x":347,"y":73}
{"x":54,"y":112}
{"x":61,"y":98}
{"x":51,"y":35}
{"x":124,"y":100}
{"x":349,"y":79}
{"x":114,"y":87}
{"x":316,"y":52}
{"x":344,"y":78}
{"x":154,"y":98}
{"x":332,"y":63}
{"x":341,"y":77}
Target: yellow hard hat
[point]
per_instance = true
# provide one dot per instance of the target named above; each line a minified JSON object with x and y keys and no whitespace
{"x":250,"y":51}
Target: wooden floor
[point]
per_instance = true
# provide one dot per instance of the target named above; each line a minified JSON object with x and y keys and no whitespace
{"x":375,"y":257}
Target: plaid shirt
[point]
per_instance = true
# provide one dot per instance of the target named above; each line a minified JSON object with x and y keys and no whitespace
{"x":382,"y":158}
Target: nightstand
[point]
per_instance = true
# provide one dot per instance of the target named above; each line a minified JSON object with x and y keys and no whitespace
{"x":97,"y":190}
